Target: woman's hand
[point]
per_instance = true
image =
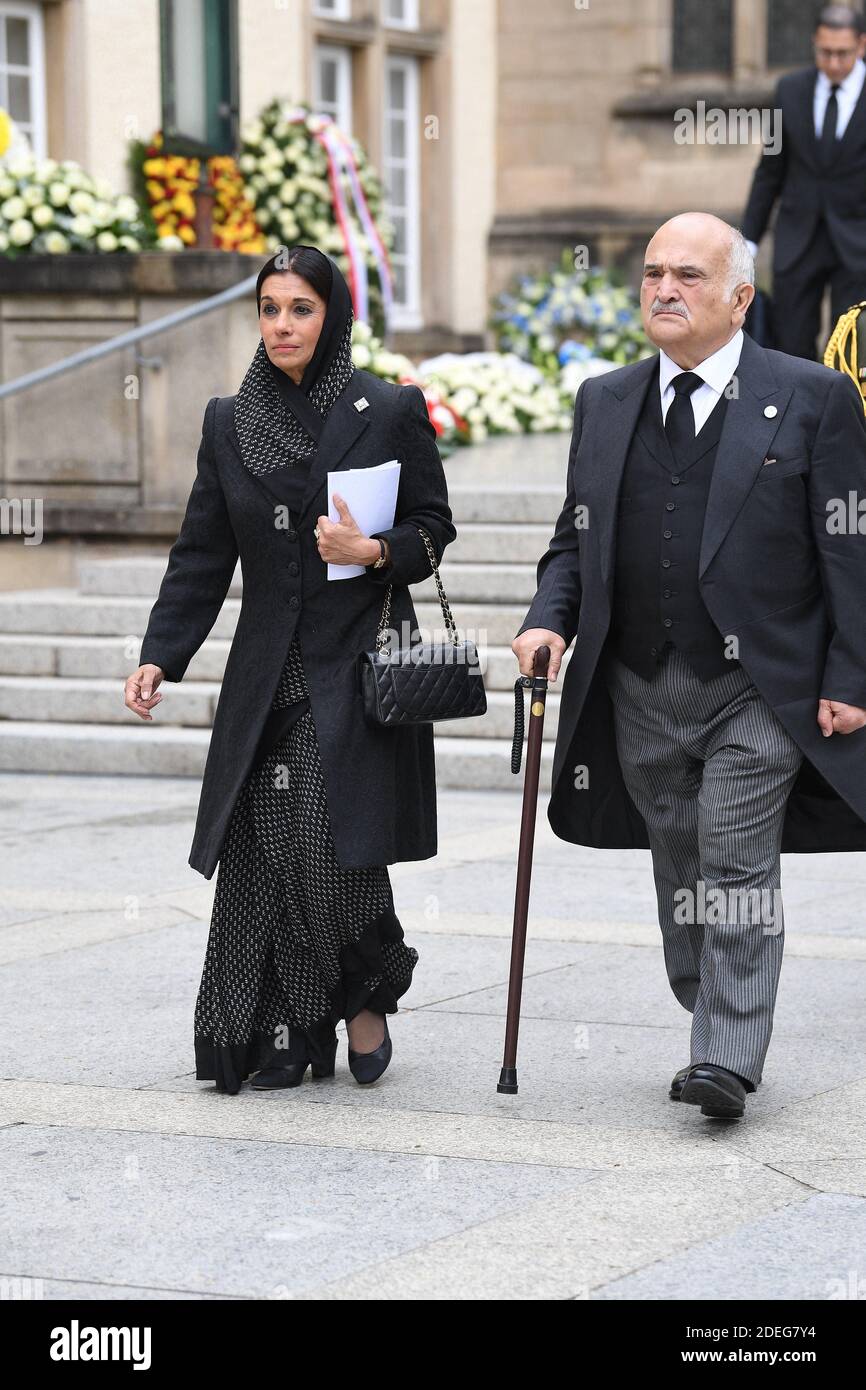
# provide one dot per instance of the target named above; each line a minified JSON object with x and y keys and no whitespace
{"x":343,"y":542}
{"x":137,"y":693}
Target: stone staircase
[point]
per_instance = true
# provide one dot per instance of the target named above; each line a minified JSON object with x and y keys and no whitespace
{"x":65,"y":653}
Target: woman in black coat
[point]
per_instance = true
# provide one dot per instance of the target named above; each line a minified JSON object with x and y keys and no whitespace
{"x":303,"y":802}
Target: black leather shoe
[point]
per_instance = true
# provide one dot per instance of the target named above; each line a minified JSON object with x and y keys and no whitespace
{"x":368,"y":1066}
{"x":720,"y":1093}
{"x":292,"y":1073}
{"x":677,"y":1083}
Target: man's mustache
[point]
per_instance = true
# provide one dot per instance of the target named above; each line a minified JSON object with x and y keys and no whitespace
{"x":675,"y":307}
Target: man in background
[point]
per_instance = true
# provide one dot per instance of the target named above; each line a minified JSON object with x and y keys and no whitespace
{"x":819,"y":178}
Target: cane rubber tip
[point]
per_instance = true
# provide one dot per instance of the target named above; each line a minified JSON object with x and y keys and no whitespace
{"x":508,"y":1081}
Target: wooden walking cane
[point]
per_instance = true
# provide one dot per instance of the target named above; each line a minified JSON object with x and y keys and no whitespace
{"x":537,"y":683}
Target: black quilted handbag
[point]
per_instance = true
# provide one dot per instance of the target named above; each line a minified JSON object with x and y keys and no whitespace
{"x":422,"y":683}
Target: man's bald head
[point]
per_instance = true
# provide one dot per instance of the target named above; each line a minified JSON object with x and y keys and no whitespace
{"x":718,"y":237}
{"x":698,"y":282}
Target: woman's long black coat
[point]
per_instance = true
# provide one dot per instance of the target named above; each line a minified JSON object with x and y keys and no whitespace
{"x":380,"y":782}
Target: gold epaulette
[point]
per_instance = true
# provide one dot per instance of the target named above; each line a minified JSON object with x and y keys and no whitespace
{"x":847,"y":347}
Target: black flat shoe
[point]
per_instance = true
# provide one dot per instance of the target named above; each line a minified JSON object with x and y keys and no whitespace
{"x":675,"y":1091}
{"x":275,"y":1078}
{"x":368,"y":1066}
{"x":720,"y":1093}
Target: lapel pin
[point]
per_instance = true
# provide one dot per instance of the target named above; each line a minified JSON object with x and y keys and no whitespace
{"x":362,"y":403}
{"x":771,"y":411}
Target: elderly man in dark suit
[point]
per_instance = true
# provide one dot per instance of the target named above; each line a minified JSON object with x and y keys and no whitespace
{"x":710,"y":559}
{"x":818,"y":175}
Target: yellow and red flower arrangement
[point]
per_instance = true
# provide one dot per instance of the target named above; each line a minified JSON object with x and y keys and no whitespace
{"x":170,"y":182}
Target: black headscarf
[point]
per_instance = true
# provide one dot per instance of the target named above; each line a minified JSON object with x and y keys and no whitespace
{"x":278,"y":421}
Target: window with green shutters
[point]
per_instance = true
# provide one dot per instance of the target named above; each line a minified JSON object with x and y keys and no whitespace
{"x":199,"y":73}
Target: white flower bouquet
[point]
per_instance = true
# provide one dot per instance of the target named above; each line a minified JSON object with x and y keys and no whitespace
{"x":53,"y":207}
{"x":496,"y":393}
{"x":285,"y":168}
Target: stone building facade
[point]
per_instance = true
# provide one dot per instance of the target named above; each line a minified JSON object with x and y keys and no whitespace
{"x":590,"y":100}
{"x":504,"y":130}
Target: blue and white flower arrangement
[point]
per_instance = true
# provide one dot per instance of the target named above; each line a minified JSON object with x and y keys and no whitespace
{"x":569,"y":318}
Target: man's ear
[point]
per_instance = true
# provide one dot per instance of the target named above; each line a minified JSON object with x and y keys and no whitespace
{"x":742,"y":299}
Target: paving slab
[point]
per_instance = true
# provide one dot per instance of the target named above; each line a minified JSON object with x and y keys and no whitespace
{"x":622,"y":1220}
{"x":811,"y":1250}
{"x":141,"y":1208}
{"x":628,"y":985}
{"x":288,"y":1117}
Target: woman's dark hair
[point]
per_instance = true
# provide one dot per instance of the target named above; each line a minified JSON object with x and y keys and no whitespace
{"x":307,"y":261}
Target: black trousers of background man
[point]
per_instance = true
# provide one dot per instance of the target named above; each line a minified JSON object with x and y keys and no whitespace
{"x":798,"y":292}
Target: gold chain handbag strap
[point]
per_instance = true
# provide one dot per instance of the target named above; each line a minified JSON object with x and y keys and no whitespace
{"x":450,"y":624}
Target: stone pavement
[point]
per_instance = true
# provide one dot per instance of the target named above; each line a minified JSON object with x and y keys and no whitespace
{"x":125,"y":1177}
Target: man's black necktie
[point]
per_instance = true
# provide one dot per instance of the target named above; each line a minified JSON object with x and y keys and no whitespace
{"x":827,"y":142}
{"x":680,"y":419}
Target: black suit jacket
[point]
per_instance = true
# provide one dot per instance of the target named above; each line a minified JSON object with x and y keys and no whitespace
{"x":805,"y":191}
{"x":770,"y":572}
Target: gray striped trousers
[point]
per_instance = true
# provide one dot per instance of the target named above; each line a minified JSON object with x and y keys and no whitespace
{"x":710,"y":768}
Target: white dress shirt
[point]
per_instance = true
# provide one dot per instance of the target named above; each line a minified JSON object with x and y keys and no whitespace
{"x":716,"y":371}
{"x":846,"y":98}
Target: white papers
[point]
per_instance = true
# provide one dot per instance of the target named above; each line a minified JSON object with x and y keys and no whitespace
{"x":371,"y":496}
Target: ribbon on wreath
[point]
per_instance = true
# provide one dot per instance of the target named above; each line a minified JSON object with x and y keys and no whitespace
{"x":341,"y":161}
